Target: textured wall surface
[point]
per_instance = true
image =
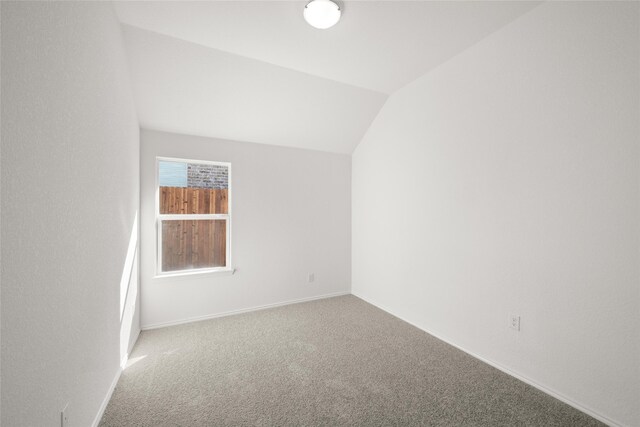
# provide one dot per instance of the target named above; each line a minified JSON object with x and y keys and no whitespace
{"x":207,"y":176}
{"x":68,"y":257}
{"x":511,"y":186}
{"x":291,"y":216}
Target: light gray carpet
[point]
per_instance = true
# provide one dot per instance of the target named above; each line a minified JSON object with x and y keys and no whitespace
{"x":338,"y":361}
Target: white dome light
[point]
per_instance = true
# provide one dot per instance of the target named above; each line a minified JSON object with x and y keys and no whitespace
{"x":322,"y":14}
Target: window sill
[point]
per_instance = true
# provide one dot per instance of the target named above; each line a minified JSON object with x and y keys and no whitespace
{"x":208,"y":271}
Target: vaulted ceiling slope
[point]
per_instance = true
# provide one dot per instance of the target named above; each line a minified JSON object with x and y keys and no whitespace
{"x":187,"y":88}
{"x":255,"y":71}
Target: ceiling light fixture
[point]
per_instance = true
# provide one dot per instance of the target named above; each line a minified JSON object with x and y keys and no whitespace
{"x":322,"y":14}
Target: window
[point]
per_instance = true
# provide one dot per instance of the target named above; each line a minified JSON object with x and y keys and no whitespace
{"x":193,"y":216}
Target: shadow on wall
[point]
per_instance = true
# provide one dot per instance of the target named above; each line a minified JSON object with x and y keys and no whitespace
{"x":129,"y":292}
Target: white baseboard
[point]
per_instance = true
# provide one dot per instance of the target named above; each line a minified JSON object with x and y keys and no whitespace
{"x":240,"y":311}
{"x":508,"y":371}
{"x":107,"y":398}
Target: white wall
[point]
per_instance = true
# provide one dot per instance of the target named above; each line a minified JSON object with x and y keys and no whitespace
{"x":70,"y":172}
{"x":291,"y":216}
{"x":507,"y":181}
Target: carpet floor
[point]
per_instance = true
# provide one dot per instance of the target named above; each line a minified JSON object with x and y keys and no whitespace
{"x":331,"y":362}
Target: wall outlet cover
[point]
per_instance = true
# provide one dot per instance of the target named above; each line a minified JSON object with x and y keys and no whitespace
{"x":64,"y":416}
{"x":514,"y":322}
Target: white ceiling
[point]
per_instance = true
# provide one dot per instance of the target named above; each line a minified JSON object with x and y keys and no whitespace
{"x":256,"y":71}
{"x":187,"y":88}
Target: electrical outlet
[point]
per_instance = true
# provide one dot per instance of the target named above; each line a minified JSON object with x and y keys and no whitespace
{"x":514,"y":322}
{"x":312,"y":277}
{"x":64,"y":416}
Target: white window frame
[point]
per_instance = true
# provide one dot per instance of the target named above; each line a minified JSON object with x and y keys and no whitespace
{"x":168,"y":217}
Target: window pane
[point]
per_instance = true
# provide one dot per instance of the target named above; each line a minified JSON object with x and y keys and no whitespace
{"x":193,"y":244}
{"x":193,"y":188}
{"x":176,"y":200}
{"x":172,"y":174}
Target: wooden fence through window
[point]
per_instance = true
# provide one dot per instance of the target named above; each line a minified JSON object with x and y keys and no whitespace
{"x":188,"y":244}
